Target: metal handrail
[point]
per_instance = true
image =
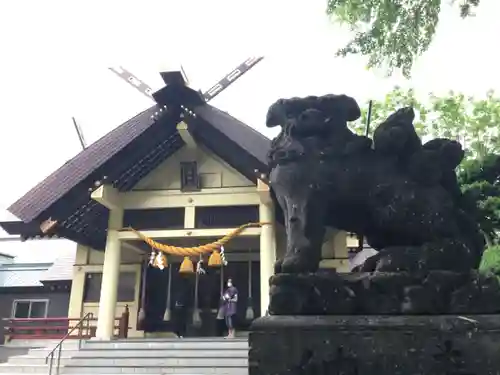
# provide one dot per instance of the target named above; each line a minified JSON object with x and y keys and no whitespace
{"x":88,"y":317}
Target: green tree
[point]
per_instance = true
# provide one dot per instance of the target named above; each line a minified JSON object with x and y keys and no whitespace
{"x":472,"y":121}
{"x":381,"y":109}
{"x":393,"y":33}
{"x":490,"y":262}
{"x":480,"y":183}
{"x":479,"y":179}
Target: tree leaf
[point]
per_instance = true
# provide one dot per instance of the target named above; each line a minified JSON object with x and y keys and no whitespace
{"x":392,"y":33}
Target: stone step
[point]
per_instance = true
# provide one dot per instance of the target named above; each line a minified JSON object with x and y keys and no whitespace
{"x":151,"y":353}
{"x":167,"y":344}
{"x":171,"y":339}
{"x":41,"y":343}
{"x":162,"y":339}
{"x":10,"y":368}
{"x":132,"y":356}
{"x":156,"y":370}
{"x":44,"y":352}
{"x":162,"y":356}
{"x":36,"y":360}
{"x":161,"y":359}
{"x":159,"y":362}
{"x":8,"y":352}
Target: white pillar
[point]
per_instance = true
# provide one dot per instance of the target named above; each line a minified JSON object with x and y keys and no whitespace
{"x":110,"y":277}
{"x":334,"y":251}
{"x":267,"y":253}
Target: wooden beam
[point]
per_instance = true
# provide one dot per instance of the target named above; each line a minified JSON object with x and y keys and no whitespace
{"x":108,"y":196}
{"x":134,"y":248}
{"x":186,"y":233}
{"x":242,"y":196}
{"x":264,"y":192}
{"x":48,"y":225}
{"x":183,"y":130}
{"x":189,"y":217}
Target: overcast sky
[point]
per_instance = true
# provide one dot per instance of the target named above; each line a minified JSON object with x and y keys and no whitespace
{"x":55,"y":55}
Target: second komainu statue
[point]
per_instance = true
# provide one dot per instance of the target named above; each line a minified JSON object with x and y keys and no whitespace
{"x":402,"y":195}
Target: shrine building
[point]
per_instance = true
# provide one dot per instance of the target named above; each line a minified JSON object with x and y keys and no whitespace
{"x":182,"y":173}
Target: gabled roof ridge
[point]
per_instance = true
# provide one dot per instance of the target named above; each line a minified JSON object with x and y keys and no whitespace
{"x":262,"y":135}
{"x":248,"y":138}
{"x":151,"y":139}
{"x":97,"y":150}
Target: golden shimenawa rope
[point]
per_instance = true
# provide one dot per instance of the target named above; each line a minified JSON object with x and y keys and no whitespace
{"x":190,"y":251}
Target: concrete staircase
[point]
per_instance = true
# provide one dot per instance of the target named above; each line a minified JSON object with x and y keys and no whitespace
{"x":34,"y":360}
{"x":161,"y":356}
{"x":144,"y":356}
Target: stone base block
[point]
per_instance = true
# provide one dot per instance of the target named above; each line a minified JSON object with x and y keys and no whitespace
{"x":384,"y":293}
{"x":375,"y":345}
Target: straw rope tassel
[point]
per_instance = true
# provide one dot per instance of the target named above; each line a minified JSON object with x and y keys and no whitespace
{"x":152,"y":258}
{"x":166,"y":316}
{"x":250,"y":314}
{"x":196,"y":309}
{"x":199,"y":267}
{"x":223,"y":256}
{"x":161,"y":261}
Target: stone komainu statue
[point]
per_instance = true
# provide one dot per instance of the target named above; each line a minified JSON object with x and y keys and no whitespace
{"x":402,"y":195}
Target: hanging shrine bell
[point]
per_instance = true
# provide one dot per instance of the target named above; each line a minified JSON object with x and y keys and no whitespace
{"x":217,"y":258}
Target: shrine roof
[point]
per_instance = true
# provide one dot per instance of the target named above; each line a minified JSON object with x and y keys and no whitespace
{"x":122,"y":158}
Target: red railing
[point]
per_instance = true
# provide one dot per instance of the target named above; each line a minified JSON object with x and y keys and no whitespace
{"x":57,"y":328}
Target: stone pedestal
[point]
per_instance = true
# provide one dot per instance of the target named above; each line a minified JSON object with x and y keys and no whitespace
{"x":375,"y":345}
{"x":396,"y":293}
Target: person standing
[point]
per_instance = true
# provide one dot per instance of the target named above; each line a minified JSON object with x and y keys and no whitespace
{"x":180,"y":316}
{"x":230,"y":301}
